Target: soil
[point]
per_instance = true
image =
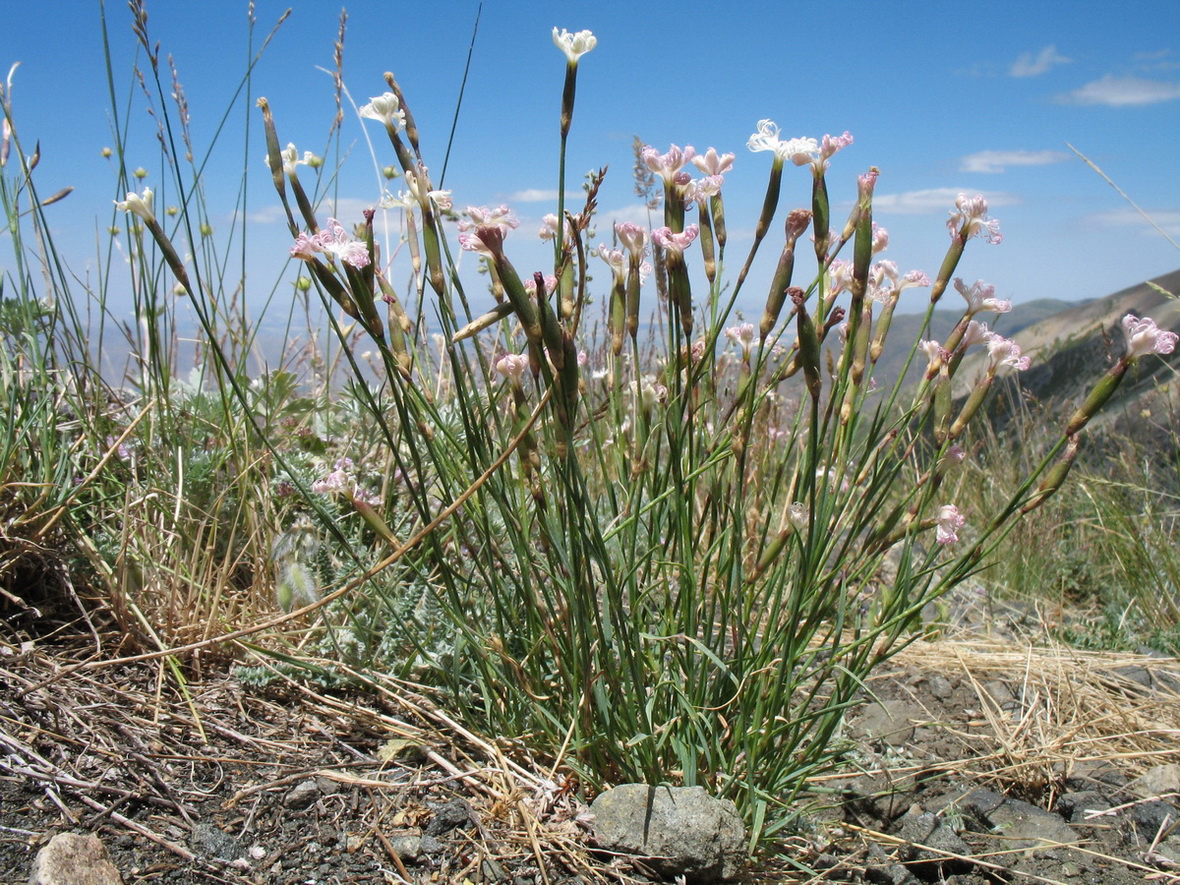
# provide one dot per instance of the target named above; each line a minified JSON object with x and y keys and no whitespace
{"x":982,"y":758}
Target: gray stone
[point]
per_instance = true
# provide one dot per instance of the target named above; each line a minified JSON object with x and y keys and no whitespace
{"x":70,"y":859}
{"x":1074,"y":805}
{"x":1160,"y":781}
{"x":303,"y":795}
{"x":677,"y":831}
{"x":212,"y":842}
{"x":1022,"y":826}
{"x":449,"y":816}
{"x":1153,"y":818}
{"x":941,"y":847}
{"x":941,"y":687}
{"x":884,"y":794}
{"x":887,"y":722}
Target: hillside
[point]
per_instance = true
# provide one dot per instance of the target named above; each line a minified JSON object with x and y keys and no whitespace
{"x":906,"y":328}
{"x":1072,"y":347}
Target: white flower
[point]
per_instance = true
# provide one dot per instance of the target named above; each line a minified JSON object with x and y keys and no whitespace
{"x":574,"y":45}
{"x":138,"y":204}
{"x":386,"y":108}
{"x":290,"y":158}
{"x":798,"y":150}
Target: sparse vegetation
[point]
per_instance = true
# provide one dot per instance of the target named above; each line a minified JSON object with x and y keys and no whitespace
{"x":674,"y":562}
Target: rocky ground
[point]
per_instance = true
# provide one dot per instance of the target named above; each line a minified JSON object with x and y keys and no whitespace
{"x":974,"y":760}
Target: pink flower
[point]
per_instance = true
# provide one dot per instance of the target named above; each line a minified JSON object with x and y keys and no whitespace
{"x":512,"y":366}
{"x":743,"y":336}
{"x":616,"y":258}
{"x":1005,"y":352}
{"x":703,"y":188}
{"x":1144,"y":337}
{"x":668,"y":165}
{"x":417,"y":181}
{"x":548,"y":229}
{"x":975,"y":333}
{"x":711,"y":163}
{"x":633,"y":237}
{"x":674,"y":243}
{"x":970,"y":220}
{"x":482,"y":216}
{"x":914,"y":278}
{"x":483,"y":230}
{"x":936,"y":355}
{"x":305,"y":246}
{"x":829,"y":145}
{"x":880,"y":238}
{"x":530,"y":285}
{"x":981,"y":296}
{"x":333,"y":240}
{"x":882,"y":281}
{"x":840,"y":272}
{"x":949,"y":521}
{"x":866,"y":183}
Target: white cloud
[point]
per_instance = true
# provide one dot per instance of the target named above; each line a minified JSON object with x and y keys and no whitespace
{"x":934,"y":201}
{"x":1118,"y":92}
{"x":999,"y":161}
{"x":347,"y":210}
{"x":1167,"y":220}
{"x":267,"y":215}
{"x":1030,"y":65}
{"x":538,"y":195}
{"x":638,"y":214}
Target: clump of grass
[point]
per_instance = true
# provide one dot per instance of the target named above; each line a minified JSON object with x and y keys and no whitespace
{"x":676,"y":563}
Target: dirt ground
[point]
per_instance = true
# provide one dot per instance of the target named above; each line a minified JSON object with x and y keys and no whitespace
{"x":977,"y":759}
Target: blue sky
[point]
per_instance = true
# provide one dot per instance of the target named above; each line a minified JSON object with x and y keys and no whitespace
{"x":980,"y":98}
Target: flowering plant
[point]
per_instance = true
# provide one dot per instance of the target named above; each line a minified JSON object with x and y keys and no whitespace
{"x":675,"y":562}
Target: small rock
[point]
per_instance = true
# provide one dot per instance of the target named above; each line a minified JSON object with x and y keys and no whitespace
{"x":1153,"y":818}
{"x":1085,"y":773}
{"x":304,"y":795}
{"x":1022,"y":825}
{"x":1001,"y":695}
{"x":70,"y":859}
{"x":888,"y":722}
{"x":883,"y":794}
{"x":449,"y":816}
{"x":938,"y":842}
{"x":408,"y":846}
{"x":209,"y":841}
{"x":1073,"y":806}
{"x":1156,"y":782}
{"x":880,"y":869}
{"x":941,"y":687}
{"x":678,"y":831}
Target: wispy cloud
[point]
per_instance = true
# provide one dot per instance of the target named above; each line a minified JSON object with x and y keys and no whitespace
{"x":1034,"y":64}
{"x":1119,"y":92}
{"x":637,"y":214}
{"x":538,"y":195}
{"x":934,"y":201}
{"x":347,"y":209}
{"x":999,"y":161}
{"x":1168,"y":220}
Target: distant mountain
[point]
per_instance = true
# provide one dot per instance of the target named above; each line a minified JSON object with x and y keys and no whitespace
{"x":1071,"y":348}
{"x":906,"y":328}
